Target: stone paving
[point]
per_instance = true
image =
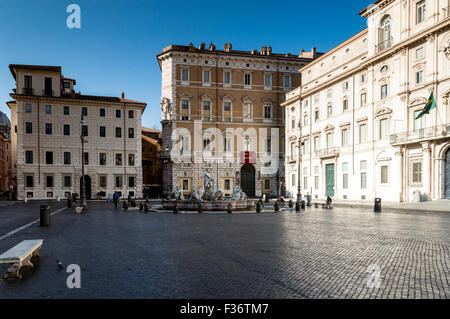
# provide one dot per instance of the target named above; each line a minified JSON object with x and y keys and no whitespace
{"x":312,"y":254}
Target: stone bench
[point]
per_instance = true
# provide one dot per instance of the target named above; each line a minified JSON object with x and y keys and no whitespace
{"x":20,"y":255}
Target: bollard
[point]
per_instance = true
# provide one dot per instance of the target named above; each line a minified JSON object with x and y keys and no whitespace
{"x":302,"y":204}
{"x":277,"y":206}
{"x":291,"y":203}
{"x":377,"y":205}
{"x":200,"y":207}
{"x":297,"y":206}
{"x":69,"y":202}
{"x":175,"y":209}
{"x":141,"y":207}
{"x":44,"y":216}
{"x":133,"y":203}
{"x":229,"y":208}
{"x":146,"y":208}
{"x":308,"y":200}
{"x":316,"y":205}
{"x":125,"y":205}
{"x":258,"y":207}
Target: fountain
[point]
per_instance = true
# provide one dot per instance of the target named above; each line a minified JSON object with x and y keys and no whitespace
{"x":213,"y":199}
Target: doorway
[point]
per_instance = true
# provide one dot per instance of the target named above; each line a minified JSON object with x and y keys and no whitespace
{"x":87,"y":186}
{"x":248,"y":180}
{"x":329,"y":174}
{"x":447,"y":174}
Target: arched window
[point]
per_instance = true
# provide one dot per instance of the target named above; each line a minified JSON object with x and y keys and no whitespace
{"x":385,"y":33}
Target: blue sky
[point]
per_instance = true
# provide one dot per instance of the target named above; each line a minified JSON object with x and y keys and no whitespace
{"x":115,"y":48}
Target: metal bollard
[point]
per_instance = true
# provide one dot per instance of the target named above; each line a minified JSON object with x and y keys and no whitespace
{"x":258,"y":207}
{"x":302,"y":204}
{"x":291,"y":203}
{"x":44,"y":216}
{"x":146,"y":208}
{"x":69,"y":202}
{"x":229,"y":208}
{"x":125,"y":205}
{"x":175,"y":209}
{"x":297,"y":206}
{"x":377,"y":205}
{"x":277,"y":206}
{"x":200,"y":207}
{"x":141,"y":207}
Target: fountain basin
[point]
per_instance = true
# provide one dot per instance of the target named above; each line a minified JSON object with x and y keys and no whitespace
{"x":221,"y":205}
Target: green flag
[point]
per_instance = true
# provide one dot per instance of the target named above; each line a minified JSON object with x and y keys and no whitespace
{"x":431,"y":104}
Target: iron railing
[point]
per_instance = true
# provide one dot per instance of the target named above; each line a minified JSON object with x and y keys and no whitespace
{"x":428,"y":133}
{"x":330,"y":151}
{"x":28,"y":91}
{"x":383,"y":45}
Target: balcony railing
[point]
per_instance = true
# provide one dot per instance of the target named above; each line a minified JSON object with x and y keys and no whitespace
{"x":383,"y":45}
{"x":47,"y":92}
{"x":327,"y":152}
{"x":447,"y":12}
{"x":418,"y":135}
{"x":28,"y":91}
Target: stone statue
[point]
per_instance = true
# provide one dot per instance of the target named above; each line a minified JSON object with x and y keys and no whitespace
{"x":196,"y":194}
{"x":167,"y":108}
{"x":178,"y":194}
{"x":238,"y":194}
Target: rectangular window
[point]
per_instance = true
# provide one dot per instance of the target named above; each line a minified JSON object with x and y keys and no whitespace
{"x":118,"y":132}
{"x":130,"y":181}
{"x":185,"y":110}
{"x":67,"y":181}
{"x":86,"y":158}
{"x":227,"y":184}
{"x":316,"y":99}
{"x":363,"y":77}
{"x":316,"y":115}
{"x":344,"y":137}
{"x":420,"y":11}
{"x":293,"y":180}
{"x":102,"y":112}
{"x":102,"y":181}
{"x":48,"y":86}
{"x":363,"y":99}
{"x":287,"y":81}
{"x":305,"y":120}
{"x":345,"y":85}
{"x":28,"y":157}
{"x":417,"y":122}
{"x":206,"y":111}
{"x":30,"y":181}
{"x":48,"y":128}
{"x":102,"y":131}
{"x":48,"y":157}
{"x":130,"y":132}
{"x":419,"y":77}
{"x":118,"y":113}
{"x":363,"y":165}
{"x":267,"y":111}
{"x":417,"y":172}
{"x":28,"y":84}
{"x":49,"y":181}
{"x":184,"y":75}
{"x":419,"y":53}
{"x":118,"y":159}
{"x":130,"y":159}
{"x":316,"y":182}
{"x":102,"y":159}
{"x":384,"y":174}
{"x":384,"y":129}
{"x":227,"y":78}
{"x":267,"y":184}
{"x":118,"y":181}
{"x":329,"y":111}
{"x":227,"y":111}
{"x":345,"y":105}
{"x":267,"y":81}
{"x":28,"y":127}
{"x":345,"y":166}
{"x":84,"y":130}
{"x":384,"y":92}
{"x":329,"y":140}
{"x":84,"y":111}
{"x":206,"y":77}
{"x":247,"y":79}
{"x":66,"y":158}
{"x":316,"y":143}
{"x":362,"y":133}
{"x":247,"y":112}
{"x":363,"y":180}
{"x":28,"y":108}
{"x":66,"y":129}
{"x":48,"y":109}
{"x":329,"y":93}
{"x":305,"y":182}
{"x":66,"y":110}
{"x":130,"y":114}
{"x":344,"y":181}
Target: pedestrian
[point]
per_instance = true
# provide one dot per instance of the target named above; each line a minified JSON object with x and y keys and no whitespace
{"x":109,"y":198}
{"x":74,"y":199}
{"x":115,"y":199}
{"x":329,"y":202}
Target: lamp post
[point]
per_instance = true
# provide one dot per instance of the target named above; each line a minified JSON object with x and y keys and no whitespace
{"x":300,"y":143}
{"x":83,"y":182}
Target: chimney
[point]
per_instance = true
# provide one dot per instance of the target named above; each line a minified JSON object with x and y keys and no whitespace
{"x":123,"y":95}
{"x":314,"y":53}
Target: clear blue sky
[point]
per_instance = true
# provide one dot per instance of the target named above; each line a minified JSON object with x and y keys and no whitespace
{"x":115,"y":48}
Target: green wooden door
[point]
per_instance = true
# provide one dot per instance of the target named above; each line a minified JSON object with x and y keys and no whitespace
{"x":329,"y":169}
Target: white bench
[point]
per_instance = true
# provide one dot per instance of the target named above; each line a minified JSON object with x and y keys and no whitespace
{"x":20,"y":255}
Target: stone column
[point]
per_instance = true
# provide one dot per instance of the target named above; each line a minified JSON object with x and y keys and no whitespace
{"x":426,"y":170}
{"x":397,"y":175}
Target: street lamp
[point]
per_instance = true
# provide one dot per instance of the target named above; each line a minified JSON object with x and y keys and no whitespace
{"x":83,"y":182}
{"x":300,"y":143}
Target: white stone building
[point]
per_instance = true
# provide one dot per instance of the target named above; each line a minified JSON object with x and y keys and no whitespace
{"x":45,"y":134}
{"x":357,"y":105}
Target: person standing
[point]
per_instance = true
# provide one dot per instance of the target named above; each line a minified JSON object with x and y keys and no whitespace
{"x":109,"y":198}
{"x":115,"y":199}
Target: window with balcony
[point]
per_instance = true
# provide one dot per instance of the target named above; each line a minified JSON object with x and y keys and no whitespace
{"x":28,"y":84}
{"x":48,"y":87}
{"x":384,"y":35}
{"x":329,"y":140}
{"x":384,"y":128}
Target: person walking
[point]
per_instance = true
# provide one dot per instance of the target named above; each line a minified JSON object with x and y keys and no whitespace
{"x":109,"y":198}
{"x":115,"y":199}
{"x":329,"y":202}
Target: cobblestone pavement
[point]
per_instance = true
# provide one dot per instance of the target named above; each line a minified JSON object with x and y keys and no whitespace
{"x":313,"y":254}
